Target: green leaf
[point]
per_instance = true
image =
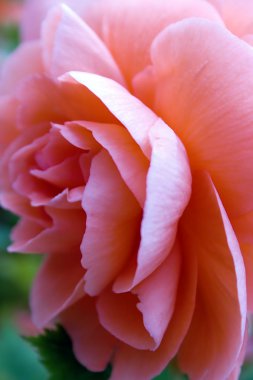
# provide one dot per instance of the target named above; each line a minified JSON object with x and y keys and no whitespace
{"x":9,"y":37}
{"x":18,"y":361}
{"x":56,"y":354}
{"x":171,"y":373}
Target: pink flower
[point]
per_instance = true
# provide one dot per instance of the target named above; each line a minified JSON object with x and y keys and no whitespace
{"x":127,"y":147}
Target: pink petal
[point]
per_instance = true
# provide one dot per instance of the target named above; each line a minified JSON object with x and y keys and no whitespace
{"x":81,"y":138}
{"x":199,"y":100}
{"x":234,"y":375}
{"x":157,"y":295}
{"x":160,"y":143}
{"x":92,"y":345}
{"x":237,"y":15}
{"x":49,"y":153}
{"x":45,"y":101}
{"x":248,"y":261}
{"x":8,"y":130}
{"x":58,"y":284}
{"x":119,"y":314}
{"x":70,"y":44}
{"x":54,"y":149}
{"x":216,"y":334}
{"x":248,"y":38}
{"x":144,"y":86}
{"x":128,"y":27}
{"x":168,"y":192}
{"x":40,"y":102}
{"x":130,"y":363}
{"x":15,"y":202}
{"x":155,"y":299}
{"x":67,"y":174}
{"x":126,"y":154}
{"x":21,"y":206}
{"x":68,"y":198}
{"x":35,"y":12}
{"x":131,"y":112}
{"x":57,"y":102}
{"x":47,"y":240}
{"x":112,"y":225}
{"x":37,"y":191}
{"x":25,"y":61}
{"x":243,"y":226}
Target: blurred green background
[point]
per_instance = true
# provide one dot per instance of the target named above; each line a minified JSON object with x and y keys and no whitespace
{"x":18,"y":360}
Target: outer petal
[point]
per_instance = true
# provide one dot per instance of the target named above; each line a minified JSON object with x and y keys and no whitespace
{"x":70,"y":44}
{"x":58,"y":284}
{"x":25,"y":61}
{"x":128,"y":27}
{"x":112,"y":226}
{"x":216,"y":334}
{"x":93,"y":346}
{"x":209,"y":107}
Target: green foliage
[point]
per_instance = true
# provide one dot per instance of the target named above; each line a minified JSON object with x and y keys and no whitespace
{"x":9,"y":37}
{"x":171,"y":373}
{"x":18,"y":360}
{"x":247,"y":372}
{"x":55,"y":350}
{"x":56,"y":354}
